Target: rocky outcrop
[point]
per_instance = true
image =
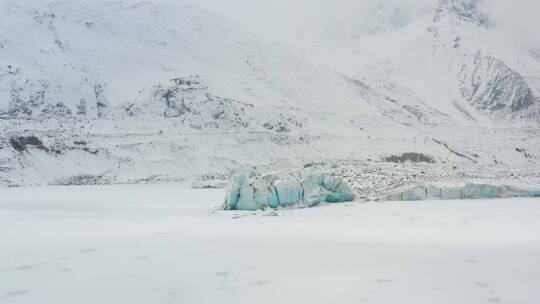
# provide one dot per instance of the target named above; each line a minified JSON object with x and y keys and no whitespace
{"x":492,"y":87}
{"x":462,"y":10}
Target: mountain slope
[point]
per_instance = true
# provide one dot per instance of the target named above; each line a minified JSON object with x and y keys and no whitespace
{"x":453,"y":54}
{"x":63,"y":56}
{"x":117,"y":92}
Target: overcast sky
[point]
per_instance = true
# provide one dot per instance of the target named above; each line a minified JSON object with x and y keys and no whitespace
{"x":284,"y":21}
{"x":281,"y":21}
{"x":297,"y":23}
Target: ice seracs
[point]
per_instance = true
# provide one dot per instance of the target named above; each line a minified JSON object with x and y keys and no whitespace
{"x":255,"y":190}
{"x":458,"y":192}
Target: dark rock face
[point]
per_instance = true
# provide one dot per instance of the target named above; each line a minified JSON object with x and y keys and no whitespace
{"x":80,"y":180}
{"x":188,"y":100}
{"x":176,"y":96}
{"x":410,"y":157}
{"x":26,"y":98}
{"x":21,"y":143}
{"x":58,"y":110}
{"x":487,"y":83}
{"x":492,"y":86}
{"x":463,"y":10}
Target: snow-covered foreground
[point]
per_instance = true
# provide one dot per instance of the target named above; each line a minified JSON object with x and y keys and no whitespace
{"x":166,"y":244}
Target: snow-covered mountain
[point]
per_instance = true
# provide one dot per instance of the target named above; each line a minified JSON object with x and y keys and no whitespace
{"x":460,"y":56}
{"x":67,"y":57}
{"x":107,"y":92}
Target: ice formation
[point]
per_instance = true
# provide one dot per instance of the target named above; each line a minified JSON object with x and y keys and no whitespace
{"x":468,"y":191}
{"x":255,"y":191}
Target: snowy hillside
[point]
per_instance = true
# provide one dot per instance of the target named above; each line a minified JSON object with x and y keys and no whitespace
{"x":70,"y":58}
{"x":124,"y":92}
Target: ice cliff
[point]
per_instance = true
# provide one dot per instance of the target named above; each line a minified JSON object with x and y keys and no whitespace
{"x":467,"y":191}
{"x":254,"y":190}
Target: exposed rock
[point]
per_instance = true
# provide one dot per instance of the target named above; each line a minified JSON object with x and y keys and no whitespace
{"x":491,"y":86}
{"x":21,"y":143}
{"x":410,"y":157}
{"x":463,"y":10}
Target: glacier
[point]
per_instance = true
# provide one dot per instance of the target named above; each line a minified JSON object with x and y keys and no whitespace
{"x":459,"y":192}
{"x":289,"y":188}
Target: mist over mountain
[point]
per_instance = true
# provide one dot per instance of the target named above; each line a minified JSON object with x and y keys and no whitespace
{"x":465,"y":56}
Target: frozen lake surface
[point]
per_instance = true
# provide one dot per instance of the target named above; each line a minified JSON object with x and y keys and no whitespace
{"x":167,"y":244}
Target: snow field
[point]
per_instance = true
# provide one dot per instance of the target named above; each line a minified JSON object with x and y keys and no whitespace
{"x":168,"y":244}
